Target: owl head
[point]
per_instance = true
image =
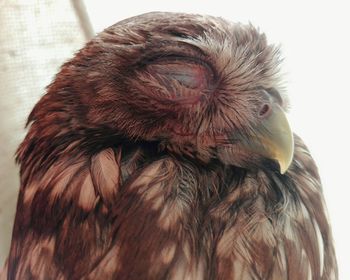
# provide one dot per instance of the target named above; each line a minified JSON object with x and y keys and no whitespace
{"x":198,"y":86}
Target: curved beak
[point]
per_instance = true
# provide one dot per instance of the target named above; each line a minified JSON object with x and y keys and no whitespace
{"x":273,"y":139}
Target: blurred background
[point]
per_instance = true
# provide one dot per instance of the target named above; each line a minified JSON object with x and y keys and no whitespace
{"x":37,"y":36}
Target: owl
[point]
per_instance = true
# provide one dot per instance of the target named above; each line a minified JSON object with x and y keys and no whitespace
{"x":162,"y":150}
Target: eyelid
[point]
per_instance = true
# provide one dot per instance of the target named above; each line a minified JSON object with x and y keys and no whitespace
{"x":187,"y":71}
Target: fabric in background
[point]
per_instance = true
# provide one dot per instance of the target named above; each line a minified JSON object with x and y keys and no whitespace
{"x":36,"y":37}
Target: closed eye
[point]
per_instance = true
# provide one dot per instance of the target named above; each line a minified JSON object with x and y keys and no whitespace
{"x":188,"y":73}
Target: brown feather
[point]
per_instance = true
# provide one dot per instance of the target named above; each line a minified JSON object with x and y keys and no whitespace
{"x":126,"y":171}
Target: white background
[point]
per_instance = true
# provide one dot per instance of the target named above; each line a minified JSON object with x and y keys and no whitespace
{"x":315,"y":41}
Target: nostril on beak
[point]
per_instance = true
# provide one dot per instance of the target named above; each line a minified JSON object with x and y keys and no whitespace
{"x":265,"y":110}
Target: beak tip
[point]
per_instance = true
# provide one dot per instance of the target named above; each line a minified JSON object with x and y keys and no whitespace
{"x":285,"y":164}
{"x":283,"y":169}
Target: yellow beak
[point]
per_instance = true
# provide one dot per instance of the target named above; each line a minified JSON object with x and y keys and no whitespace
{"x":274,"y":139}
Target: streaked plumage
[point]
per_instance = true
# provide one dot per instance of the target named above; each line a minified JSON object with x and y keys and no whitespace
{"x":148,"y":159}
